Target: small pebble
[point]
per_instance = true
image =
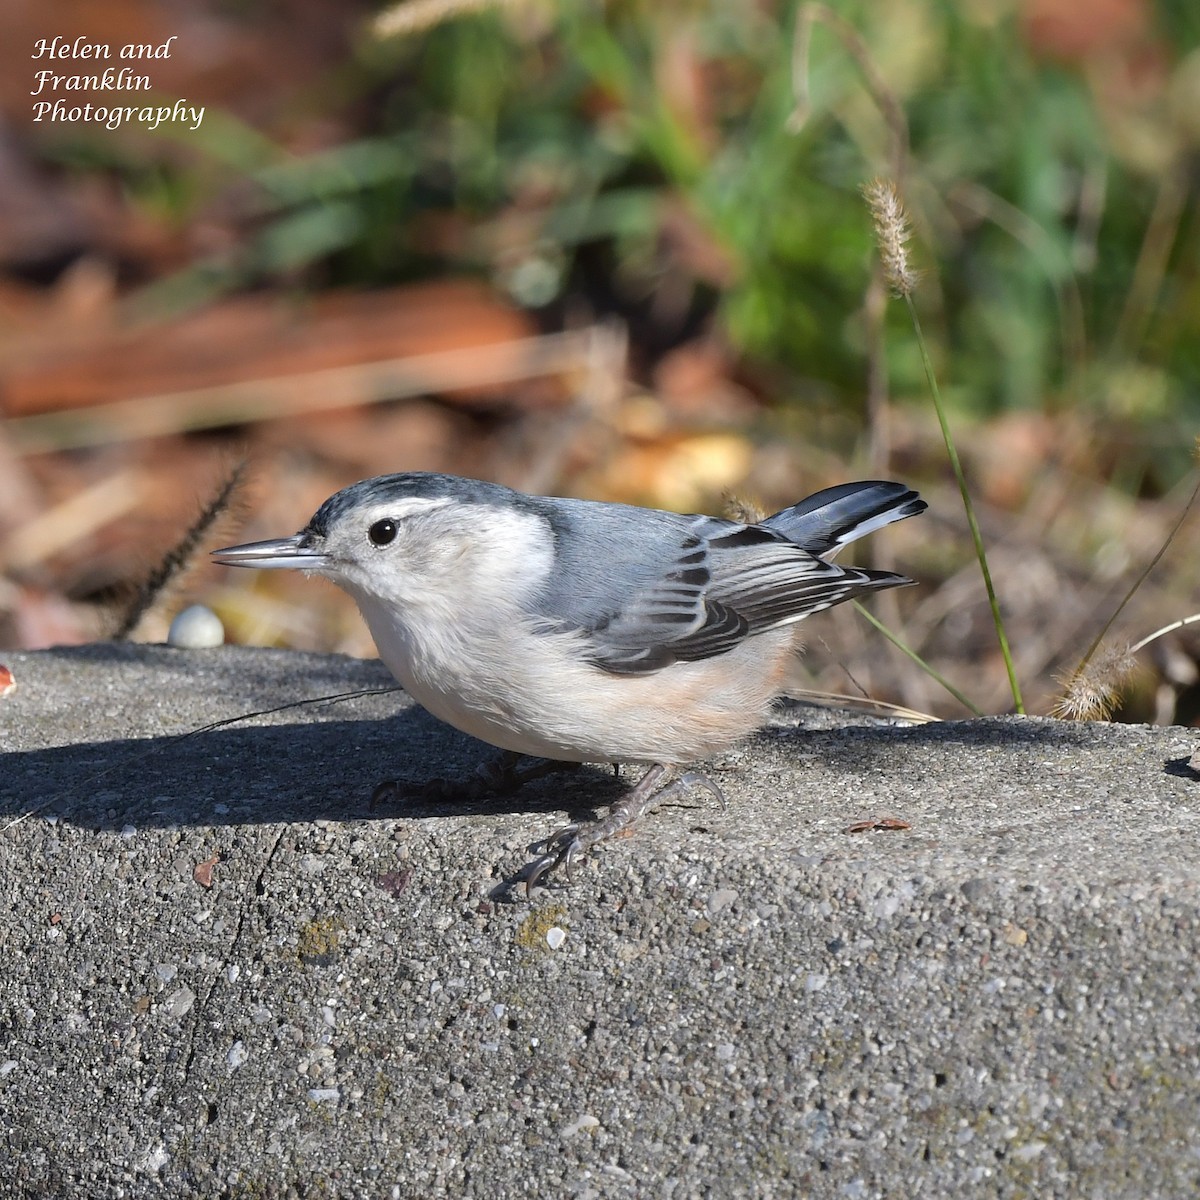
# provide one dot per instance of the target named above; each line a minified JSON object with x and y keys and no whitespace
{"x":179,"y":1002}
{"x":324,"y":1095}
{"x":555,"y":937}
{"x":586,"y":1122}
{"x":196,"y":628}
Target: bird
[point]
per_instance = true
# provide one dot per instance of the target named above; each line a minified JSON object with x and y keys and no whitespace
{"x":576,"y":631}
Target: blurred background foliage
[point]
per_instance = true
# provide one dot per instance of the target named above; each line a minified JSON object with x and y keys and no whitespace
{"x":637,"y":157}
{"x":693,"y":170}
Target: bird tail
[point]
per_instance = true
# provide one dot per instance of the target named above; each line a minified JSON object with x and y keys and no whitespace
{"x":824,"y":522}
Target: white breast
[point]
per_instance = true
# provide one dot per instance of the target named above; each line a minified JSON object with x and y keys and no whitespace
{"x":464,"y":647}
{"x":535,"y":694}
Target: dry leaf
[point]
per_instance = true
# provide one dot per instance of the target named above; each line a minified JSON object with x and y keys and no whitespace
{"x":872,"y":823}
{"x":203,"y":873}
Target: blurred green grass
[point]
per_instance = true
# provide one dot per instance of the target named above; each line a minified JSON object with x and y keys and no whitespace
{"x":637,"y":157}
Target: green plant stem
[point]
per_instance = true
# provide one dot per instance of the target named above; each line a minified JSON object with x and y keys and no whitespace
{"x":968,"y":507}
{"x":891,"y":637}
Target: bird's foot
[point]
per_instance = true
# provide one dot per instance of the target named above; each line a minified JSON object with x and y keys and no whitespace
{"x":565,"y":845}
{"x":498,"y":777}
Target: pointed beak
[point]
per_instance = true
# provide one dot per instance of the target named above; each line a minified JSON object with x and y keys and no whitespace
{"x":296,"y":552}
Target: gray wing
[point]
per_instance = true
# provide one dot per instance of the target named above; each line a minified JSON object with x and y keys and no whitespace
{"x":683,"y":588}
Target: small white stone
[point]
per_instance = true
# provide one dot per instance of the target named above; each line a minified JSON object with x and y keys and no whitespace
{"x":585,"y":1122}
{"x":180,"y":1001}
{"x":196,"y":628}
{"x":237,"y":1055}
{"x":555,"y":937}
{"x":155,"y":1159}
{"x":1029,"y":1151}
{"x":324,"y":1095}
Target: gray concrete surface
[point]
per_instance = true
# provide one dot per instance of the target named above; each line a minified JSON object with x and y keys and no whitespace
{"x":1001,"y":1000}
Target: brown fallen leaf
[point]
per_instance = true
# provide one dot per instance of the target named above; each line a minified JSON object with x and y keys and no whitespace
{"x":872,"y":823}
{"x":203,"y":873}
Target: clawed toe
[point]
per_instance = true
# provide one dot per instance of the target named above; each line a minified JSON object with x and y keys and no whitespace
{"x":562,"y":847}
{"x":567,"y":844}
{"x":696,"y":779}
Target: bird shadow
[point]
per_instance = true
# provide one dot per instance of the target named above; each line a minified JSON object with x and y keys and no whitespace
{"x":285,"y":773}
{"x":330,"y":770}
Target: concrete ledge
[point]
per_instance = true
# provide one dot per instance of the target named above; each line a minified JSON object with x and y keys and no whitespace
{"x":225,"y":976}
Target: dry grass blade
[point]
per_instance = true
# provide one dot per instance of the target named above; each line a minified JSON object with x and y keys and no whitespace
{"x":415,"y":16}
{"x":1084,"y":676}
{"x":881,"y":707}
{"x":73,"y":520}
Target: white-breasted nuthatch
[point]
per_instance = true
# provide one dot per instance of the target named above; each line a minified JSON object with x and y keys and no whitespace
{"x":579,"y":631}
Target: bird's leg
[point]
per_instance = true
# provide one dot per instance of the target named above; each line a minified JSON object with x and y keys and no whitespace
{"x":500,"y":776}
{"x":567,"y":844}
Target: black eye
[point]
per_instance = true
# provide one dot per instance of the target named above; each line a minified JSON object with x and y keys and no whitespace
{"x":382,"y":532}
